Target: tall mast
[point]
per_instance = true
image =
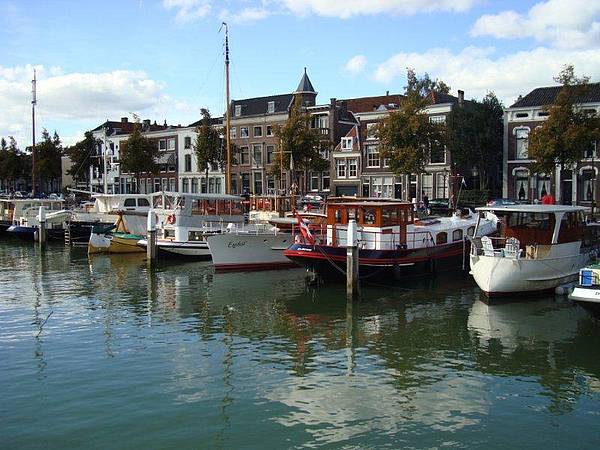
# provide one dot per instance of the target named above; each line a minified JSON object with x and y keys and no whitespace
{"x":227,"y":115}
{"x":33,"y":103}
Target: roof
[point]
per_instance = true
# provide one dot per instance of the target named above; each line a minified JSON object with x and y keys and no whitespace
{"x":440,"y":98}
{"x":370,"y":203}
{"x":258,"y":105}
{"x":369,"y":104}
{"x":305,"y":86}
{"x":533,"y":208}
{"x":113,"y":127}
{"x":546,"y":95}
{"x":213,"y":121}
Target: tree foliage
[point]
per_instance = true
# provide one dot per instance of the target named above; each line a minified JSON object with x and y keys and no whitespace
{"x":138,"y":154}
{"x":14,"y":164}
{"x":475,"y":132}
{"x":81,"y":156}
{"x":422,"y":86}
{"x":301,"y":145}
{"x":208,"y":145}
{"x":569,"y":129}
{"x":48,"y":165}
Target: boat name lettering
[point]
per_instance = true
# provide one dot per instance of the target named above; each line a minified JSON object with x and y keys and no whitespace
{"x":236,"y":244}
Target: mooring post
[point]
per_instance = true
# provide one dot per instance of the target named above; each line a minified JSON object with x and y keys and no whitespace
{"x":352,"y":285}
{"x":41,"y":232}
{"x":151,"y":239}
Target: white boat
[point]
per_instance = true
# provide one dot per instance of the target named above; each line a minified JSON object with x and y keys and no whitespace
{"x":537,"y":248}
{"x":21,"y":217}
{"x":185,"y":221}
{"x":587,"y":291}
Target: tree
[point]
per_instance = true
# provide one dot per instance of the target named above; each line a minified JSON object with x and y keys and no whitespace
{"x":14,"y":164}
{"x":48,"y":160}
{"x":300,"y":144}
{"x":80,"y":155}
{"x":208,"y":146}
{"x":569,"y":130}
{"x":475,"y":133}
{"x":408,"y":138}
{"x":424,"y":85}
{"x":138,"y":154}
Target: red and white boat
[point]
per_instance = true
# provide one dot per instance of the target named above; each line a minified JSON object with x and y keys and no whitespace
{"x":392,"y":243}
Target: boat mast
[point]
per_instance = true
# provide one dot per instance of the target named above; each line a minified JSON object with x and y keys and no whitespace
{"x":227,"y":115}
{"x":33,"y":103}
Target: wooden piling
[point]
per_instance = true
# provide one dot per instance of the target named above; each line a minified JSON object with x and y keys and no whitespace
{"x":151,"y":240}
{"x":352,"y":262}
{"x":41,"y":231}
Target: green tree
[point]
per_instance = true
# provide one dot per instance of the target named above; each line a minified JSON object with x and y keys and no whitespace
{"x":208,"y":145}
{"x":48,"y":160}
{"x":138,"y":154}
{"x":475,"y":133}
{"x":424,"y":85}
{"x":301,"y":145}
{"x":569,"y":129}
{"x":13,"y":163}
{"x":81,"y":158}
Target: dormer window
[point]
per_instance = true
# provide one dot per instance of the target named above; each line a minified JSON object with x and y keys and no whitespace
{"x":346,"y":143}
{"x":238,"y":110}
{"x":270,"y":107}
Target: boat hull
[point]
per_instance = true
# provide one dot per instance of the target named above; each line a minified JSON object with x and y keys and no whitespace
{"x":184,"y":250}
{"x":249,"y":252}
{"x":330,"y":262}
{"x":99,"y":243}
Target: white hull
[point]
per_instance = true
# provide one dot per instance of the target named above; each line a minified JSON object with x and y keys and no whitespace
{"x":497,"y":275}
{"x":589,"y":295}
{"x":239,"y":251}
{"x":183,"y":249}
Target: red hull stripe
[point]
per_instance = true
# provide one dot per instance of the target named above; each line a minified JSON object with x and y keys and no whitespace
{"x":370,"y":261}
{"x":255,"y":266}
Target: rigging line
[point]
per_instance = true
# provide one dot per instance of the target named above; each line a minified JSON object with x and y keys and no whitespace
{"x":203,"y":85}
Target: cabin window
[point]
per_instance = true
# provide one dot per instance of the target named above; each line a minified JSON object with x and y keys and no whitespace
{"x":470,"y":231}
{"x":571,"y":227}
{"x":441,"y":238}
{"x":338,"y":216}
{"x":143,"y":202}
{"x":129,"y":202}
{"x":386,"y":217}
{"x":457,"y":235}
{"x":351,"y":214}
{"x":369,"y":216}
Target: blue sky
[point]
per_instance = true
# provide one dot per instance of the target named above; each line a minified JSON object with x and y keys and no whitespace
{"x":162,"y":59}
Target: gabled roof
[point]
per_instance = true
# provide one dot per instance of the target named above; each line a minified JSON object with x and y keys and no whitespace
{"x":355,"y":135}
{"x":546,"y":95}
{"x":258,"y":105}
{"x":305,"y":86}
{"x":368,"y":104}
{"x":215,"y":121}
{"x":439,"y":98}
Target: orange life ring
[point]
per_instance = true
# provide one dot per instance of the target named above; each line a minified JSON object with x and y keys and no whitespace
{"x":171,"y":219}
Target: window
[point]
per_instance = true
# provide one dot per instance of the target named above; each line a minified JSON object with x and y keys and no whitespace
{"x":386,"y":162}
{"x":129,"y":202}
{"x":187,"y":163}
{"x":441,"y":238}
{"x":172,"y":184}
{"x":162,"y":144}
{"x":325,"y":181}
{"x":233,"y":132}
{"x":352,"y":167}
{"x":245,"y":182}
{"x":269,"y":130}
{"x":522,"y":115}
{"x":257,"y":131}
{"x":314,"y":181}
{"x":371,"y":131}
{"x":369,"y":216}
{"x":187,"y":142}
{"x":522,"y":184}
{"x":243,"y":132}
{"x":340,"y":166}
{"x":257,"y":155}
{"x":438,"y":120}
{"x":245,"y":155}
{"x":543,"y":186}
{"x":346,"y":143}
{"x":156,"y":184}
{"x":382,"y":187}
{"x":258,"y":183}
{"x":441,"y":185}
{"x":471,"y":231}
{"x":457,"y":235}
{"x":218,"y":188}
{"x":587,"y":178}
{"x":270,"y":107}
{"x":438,"y":154}
{"x":185,"y":185}
{"x":238,"y":110}
{"x":171,"y":144}
{"x":203,"y":185}
{"x":522,"y":138}
{"x":373,"y":156}
{"x":270,"y":153}
{"x":194,"y":185}
{"x":427,"y":184}
{"x":591,"y":151}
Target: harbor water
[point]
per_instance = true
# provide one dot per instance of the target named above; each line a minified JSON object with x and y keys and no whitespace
{"x":101,"y":353}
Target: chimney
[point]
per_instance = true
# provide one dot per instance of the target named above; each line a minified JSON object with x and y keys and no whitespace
{"x":461,"y":97}
{"x":124,"y":120}
{"x":147,"y":122}
{"x":165,"y":124}
{"x":332,"y":101}
{"x":387,"y":93}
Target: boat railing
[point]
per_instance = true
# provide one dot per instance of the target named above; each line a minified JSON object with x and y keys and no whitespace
{"x":387,"y":240}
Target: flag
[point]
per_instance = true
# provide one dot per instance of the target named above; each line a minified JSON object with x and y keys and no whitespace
{"x":306,"y":234}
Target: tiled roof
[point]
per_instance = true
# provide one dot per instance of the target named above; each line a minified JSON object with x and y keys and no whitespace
{"x":439,"y":98}
{"x":113,"y":127}
{"x":258,"y":105}
{"x":546,"y":95}
{"x":213,"y":121}
{"x":354,"y":134}
{"x":368,"y":104}
{"x":305,"y":85}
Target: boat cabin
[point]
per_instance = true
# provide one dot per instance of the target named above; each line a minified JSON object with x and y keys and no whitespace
{"x":17,"y":211}
{"x":381,"y":224}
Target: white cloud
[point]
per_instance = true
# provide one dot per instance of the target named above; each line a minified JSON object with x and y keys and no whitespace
{"x":188,"y":10}
{"x":350,"y":8}
{"x":356,"y":64}
{"x":73,"y":102}
{"x":568,"y":24}
{"x":477,"y":70}
{"x":246,"y":15}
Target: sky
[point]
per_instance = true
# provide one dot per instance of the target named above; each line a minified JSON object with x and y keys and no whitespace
{"x":163,"y":59}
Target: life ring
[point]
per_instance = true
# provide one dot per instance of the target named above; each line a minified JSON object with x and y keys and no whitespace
{"x":171,"y":219}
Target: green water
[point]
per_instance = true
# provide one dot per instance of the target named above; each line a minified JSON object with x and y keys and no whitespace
{"x":102,"y":354}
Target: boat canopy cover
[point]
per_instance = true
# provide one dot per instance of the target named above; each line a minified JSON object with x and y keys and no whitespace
{"x":548,"y":209}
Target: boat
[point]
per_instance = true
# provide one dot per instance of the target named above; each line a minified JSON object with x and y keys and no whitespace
{"x":392,"y":243}
{"x":536,"y":248}
{"x":21,"y":217}
{"x":115,"y":238}
{"x":587,"y":291}
{"x":188,"y":219}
